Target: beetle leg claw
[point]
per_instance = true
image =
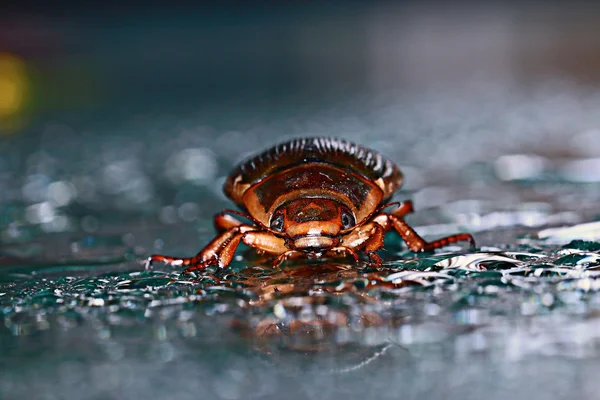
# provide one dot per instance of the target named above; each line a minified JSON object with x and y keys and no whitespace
{"x":374,"y":260}
{"x":196,"y":266}
{"x":285,"y":256}
{"x":172,"y":261}
{"x":346,"y":250}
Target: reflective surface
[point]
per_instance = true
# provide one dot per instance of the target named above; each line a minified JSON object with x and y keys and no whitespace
{"x":419,"y":326}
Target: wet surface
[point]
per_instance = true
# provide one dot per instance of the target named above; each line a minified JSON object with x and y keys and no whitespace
{"x":420,"y":325}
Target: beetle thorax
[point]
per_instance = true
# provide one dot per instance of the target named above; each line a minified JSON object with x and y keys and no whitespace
{"x":312,"y":224}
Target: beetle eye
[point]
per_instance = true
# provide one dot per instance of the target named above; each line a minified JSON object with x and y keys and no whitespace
{"x":347,"y":219}
{"x":277,"y":222}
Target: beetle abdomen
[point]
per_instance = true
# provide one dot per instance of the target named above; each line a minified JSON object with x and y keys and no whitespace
{"x":338,"y":152}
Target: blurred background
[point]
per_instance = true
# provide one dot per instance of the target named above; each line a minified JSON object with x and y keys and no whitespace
{"x":144,"y":109}
{"x":119,"y":124}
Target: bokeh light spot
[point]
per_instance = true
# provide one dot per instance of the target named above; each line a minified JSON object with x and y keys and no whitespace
{"x":13,"y":89}
{"x":196,"y":165}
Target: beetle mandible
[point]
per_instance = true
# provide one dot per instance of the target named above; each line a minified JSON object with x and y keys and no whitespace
{"x":311,"y":197}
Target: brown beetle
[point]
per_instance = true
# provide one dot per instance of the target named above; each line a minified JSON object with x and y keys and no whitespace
{"x":312,"y":197}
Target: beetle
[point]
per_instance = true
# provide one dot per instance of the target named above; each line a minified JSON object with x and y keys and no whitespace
{"x":311,"y":197}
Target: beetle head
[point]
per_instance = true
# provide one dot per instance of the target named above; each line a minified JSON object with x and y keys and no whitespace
{"x":312,"y":225}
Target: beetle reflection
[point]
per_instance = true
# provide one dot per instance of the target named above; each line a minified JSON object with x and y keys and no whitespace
{"x":311,"y":308}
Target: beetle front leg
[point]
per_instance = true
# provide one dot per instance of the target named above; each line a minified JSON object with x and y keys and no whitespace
{"x":369,"y":238}
{"x":263,"y":241}
{"x":224,"y":222}
{"x":269,"y":243}
{"x":345,"y":250}
{"x":374,"y":244}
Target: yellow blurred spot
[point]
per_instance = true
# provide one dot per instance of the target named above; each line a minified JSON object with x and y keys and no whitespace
{"x":13,"y":90}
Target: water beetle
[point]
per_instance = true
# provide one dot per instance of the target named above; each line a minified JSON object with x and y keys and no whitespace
{"x":311,"y":197}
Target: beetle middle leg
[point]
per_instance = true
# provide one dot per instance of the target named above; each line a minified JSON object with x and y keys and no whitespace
{"x":413,"y":240}
{"x":211,"y":254}
{"x":220,"y":250}
{"x":416,"y":243}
